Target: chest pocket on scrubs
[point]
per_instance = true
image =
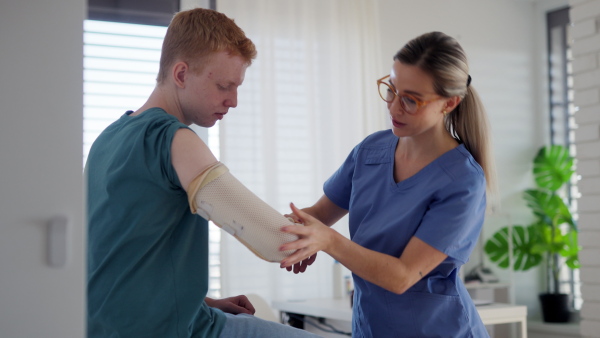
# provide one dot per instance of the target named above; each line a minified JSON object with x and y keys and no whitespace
{"x":377,"y":156}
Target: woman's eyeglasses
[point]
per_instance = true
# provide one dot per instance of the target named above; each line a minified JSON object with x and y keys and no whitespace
{"x":409,"y":103}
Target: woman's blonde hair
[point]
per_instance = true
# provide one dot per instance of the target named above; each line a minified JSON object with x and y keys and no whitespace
{"x":442,"y":57}
{"x":195,"y":34}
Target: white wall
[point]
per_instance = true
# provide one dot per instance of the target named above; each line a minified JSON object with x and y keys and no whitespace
{"x":505,"y":42}
{"x":41,"y":71}
{"x":585,"y":15}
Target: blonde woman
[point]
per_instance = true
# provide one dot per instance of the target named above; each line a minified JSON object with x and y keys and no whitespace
{"x":416,"y":198}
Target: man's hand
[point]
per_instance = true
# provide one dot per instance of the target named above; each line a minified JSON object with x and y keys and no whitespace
{"x":300,"y":267}
{"x":234,"y":305}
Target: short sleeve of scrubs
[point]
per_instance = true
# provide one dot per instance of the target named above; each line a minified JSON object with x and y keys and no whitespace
{"x":453,"y":221}
{"x":338,"y":187}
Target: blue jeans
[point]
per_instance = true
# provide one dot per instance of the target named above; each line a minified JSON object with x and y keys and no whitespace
{"x":248,"y":326}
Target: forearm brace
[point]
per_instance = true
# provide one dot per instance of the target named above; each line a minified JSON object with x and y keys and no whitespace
{"x":218,"y":196}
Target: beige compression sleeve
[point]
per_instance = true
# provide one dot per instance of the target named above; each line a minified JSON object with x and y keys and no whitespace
{"x":218,"y":196}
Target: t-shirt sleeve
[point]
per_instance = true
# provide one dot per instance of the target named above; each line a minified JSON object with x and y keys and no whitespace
{"x":338,"y":187}
{"x":454,"y":219}
{"x":163,"y":139}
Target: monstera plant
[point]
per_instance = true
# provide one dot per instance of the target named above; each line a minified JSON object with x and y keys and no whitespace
{"x":551,"y":238}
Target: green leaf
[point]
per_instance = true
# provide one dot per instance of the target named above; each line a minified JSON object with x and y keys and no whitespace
{"x":497,"y":248}
{"x":573,"y":262}
{"x":552,"y":167}
{"x":548,"y":207}
{"x":554,"y":241}
{"x":524,"y":239}
{"x":571,"y":250}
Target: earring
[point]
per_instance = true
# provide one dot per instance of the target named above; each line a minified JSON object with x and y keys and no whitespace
{"x":444,"y":112}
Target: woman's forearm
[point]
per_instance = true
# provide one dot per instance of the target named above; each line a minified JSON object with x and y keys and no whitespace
{"x":391,"y":273}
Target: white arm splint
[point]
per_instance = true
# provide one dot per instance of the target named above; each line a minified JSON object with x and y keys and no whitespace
{"x":218,"y":196}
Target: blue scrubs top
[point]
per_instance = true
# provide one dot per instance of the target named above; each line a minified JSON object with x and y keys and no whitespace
{"x":443,"y":205}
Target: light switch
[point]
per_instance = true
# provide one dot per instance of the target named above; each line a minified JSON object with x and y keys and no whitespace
{"x":58,"y":243}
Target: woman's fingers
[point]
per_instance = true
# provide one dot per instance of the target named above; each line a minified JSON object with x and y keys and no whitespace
{"x":301,"y":214}
{"x":295,"y":245}
{"x":306,"y":246}
{"x":292,"y":218}
{"x":296,"y":257}
{"x":297,"y":229}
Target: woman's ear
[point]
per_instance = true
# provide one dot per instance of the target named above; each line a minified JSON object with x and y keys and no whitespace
{"x":451,"y":103}
{"x":179,"y":73}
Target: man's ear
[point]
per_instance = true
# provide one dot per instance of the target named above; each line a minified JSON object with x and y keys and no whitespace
{"x":451,"y":103}
{"x":179,"y":73}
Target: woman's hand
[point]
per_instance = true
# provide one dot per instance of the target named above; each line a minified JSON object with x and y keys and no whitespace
{"x":234,"y":305}
{"x":293,"y":218}
{"x":313,"y":237}
{"x":299,"y":267}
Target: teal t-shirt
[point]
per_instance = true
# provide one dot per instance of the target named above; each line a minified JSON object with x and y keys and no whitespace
{"x":147,"y":253}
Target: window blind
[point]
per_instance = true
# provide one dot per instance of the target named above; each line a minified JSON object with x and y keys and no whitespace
{"x":147,"y":12}
{"x":562,"y":118}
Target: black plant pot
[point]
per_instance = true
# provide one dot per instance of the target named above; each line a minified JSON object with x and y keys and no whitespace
{"x":555,"y":307}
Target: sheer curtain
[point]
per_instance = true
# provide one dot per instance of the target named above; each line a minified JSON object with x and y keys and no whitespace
{"x":307,"y":100}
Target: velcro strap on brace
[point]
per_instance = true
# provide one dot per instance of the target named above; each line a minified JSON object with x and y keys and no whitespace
{"x":218,"y":196}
